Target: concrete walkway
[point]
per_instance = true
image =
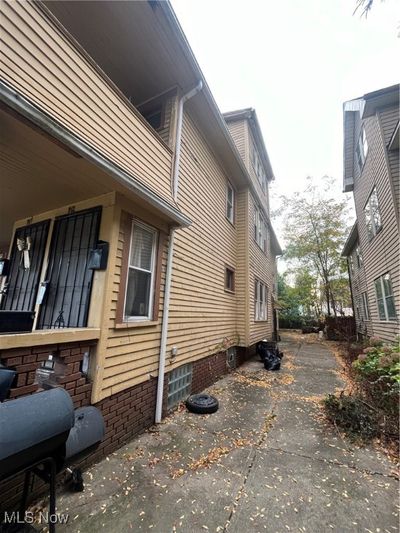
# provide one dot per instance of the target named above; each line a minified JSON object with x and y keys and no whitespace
{"x":266,"y":461}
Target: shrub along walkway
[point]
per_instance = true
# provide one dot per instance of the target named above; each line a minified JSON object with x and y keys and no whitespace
{"x":266,"y":461}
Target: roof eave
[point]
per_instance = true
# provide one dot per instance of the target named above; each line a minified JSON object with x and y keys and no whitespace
{"x":351,"y":240}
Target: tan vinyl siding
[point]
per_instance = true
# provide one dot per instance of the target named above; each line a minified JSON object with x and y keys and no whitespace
{"x":238,"y":131}
{"x":381,"y":254}
{"x":128,"y":355}
{"x":202,"y":313}
{"x":242,"y":273}
{"x":41,"y":63}
{"x":261,"y":267}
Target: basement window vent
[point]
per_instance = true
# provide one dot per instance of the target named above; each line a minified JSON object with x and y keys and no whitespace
{"x":179,"y":384}
{"x":231,"y":357}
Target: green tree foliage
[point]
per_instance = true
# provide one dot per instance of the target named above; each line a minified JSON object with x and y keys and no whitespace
{"x":315,"y":230}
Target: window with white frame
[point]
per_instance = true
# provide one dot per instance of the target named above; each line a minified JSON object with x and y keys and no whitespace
{"x":362,"y":148}
{"x":260,"y":230}
{"x":351,"y":263}
{"x":359,"y":256}
{"x":229,"y":279}
{"x":260,"y":301}
{"x":141,"y":269}
{"x":230,"y":203}
{"x":365,"y":305}
{"x":385,"y":298}
{"x":259,"y":169}
{"x":372,"y":214}
{"x":358,"y":313}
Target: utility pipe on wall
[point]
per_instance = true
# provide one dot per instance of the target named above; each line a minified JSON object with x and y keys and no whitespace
{"x":168,"y":274}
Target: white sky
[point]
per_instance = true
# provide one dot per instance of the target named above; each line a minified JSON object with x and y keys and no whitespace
{"x":295,"y":62}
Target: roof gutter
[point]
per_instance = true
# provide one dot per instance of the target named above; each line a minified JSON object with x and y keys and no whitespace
{"x":44,"y":121}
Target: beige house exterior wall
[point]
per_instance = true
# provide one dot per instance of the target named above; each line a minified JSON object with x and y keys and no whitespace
{"x":42,"y":64}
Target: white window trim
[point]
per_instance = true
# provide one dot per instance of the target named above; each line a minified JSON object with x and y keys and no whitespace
{"x":375,"y":230}
{"x":260,"y":301}
{"x":260,"y":230}
{"x":230,"y":205}
{"x":129,"y":318}
{"x":362,"y":148}
{"x":365,"y":306}
{"x":258,"y":168}
{"x":384,"y":296}
{"x":359,"y":257}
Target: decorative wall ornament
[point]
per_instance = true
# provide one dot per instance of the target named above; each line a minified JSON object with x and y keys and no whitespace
{"x":24,"y":246}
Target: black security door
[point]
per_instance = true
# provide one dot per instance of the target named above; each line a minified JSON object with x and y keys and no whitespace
{"x":26,"y":262}
{"x":69,"y":281}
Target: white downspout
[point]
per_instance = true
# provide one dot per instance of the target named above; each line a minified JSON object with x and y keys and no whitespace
{"x":168,"y":274}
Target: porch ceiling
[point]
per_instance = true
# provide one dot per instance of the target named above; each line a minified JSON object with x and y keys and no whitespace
{"x":142,"y":49}
{"x":38,"y":175}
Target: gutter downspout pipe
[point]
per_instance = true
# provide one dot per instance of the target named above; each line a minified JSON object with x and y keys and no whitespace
{"x":168,"y":274}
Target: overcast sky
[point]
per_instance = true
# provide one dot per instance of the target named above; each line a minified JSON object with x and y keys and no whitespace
{"x":295,"y":62}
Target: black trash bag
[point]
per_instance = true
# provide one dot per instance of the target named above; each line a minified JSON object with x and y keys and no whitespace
{"x":264,"y":348}
{"x":272,"y":361}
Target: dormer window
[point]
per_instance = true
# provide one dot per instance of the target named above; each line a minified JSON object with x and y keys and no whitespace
{"x":362,"y":148}
{"x":154,"y":116}
{"x":258,"y":169}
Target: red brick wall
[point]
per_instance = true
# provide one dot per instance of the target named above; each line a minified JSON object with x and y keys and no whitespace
{"x":126,"y":414}
{"x":206,"y":371}
{"x":26,"y":360}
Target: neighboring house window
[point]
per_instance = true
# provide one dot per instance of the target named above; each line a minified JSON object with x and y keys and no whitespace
{"x":230,"y":203}
{"x":141,"y":268}
{"x":351,"y":263}
{"x":362,"y":148}
{"x":384,"y":298}
{"x":260,"y":230}
{"x":358,"y":314}
{"x":359,"y":257}
{"x":260,"y":300}
{"x":229,"y":279}
{"x":372,"y":214}
{"x":365,"y":305}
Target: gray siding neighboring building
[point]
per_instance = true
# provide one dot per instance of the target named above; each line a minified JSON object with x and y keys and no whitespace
{"x":371,"y":171}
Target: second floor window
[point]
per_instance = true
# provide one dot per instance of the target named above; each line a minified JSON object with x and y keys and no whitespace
{"x":260,"y":230}
{"x":229,"y":279}
{"x":372,"y":214}
{"x":260,"y":301}
{"x":361,"y":149}
{"x":385,"y":298}
{"x":230,"y":203}
{"x":351,"y":263}
{"x":258,"y":169}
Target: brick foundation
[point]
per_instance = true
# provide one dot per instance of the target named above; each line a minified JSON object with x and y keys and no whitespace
{"x":208,"y":370}
{"x":25,"y":361}
{"x":126,"y":413}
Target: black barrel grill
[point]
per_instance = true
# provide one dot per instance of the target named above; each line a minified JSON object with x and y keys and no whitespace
{"x":42,"y":434}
